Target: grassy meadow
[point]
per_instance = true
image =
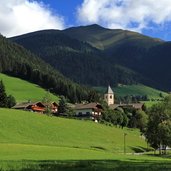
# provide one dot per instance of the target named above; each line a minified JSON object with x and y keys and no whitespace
{"x":20,"y":127}
{"x":31,"y":141}
{"x":36,"y":142}
{"x":139,"y":89}
{"x":23,"y":90}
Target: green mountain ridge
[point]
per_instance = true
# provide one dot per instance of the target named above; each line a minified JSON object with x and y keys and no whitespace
{"x":116,"y":56}
{"x":77,"y":60}
{"x":105,"y":39}
{"x":150,"y":57}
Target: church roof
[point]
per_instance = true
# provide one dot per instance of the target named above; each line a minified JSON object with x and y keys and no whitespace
{"x":109,"y":90}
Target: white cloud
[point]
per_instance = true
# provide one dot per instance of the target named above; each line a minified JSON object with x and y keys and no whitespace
{"x":126,"y":14}
{"x":22,"y":16}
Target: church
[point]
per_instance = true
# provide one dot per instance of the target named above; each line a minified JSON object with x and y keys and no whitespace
{"x":110,"y":100}
{"x":109,"y":96}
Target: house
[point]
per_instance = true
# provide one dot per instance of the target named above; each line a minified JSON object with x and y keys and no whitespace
{"x":91,"y":110}
{"x":37,"y":107}
{"x":53,"y":106}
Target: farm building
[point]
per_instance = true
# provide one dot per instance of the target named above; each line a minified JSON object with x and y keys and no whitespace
{"x":92,"y":110}
{"x":37,"y":106}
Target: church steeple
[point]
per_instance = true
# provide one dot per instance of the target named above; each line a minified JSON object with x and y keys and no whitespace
{"x":109,"y":96}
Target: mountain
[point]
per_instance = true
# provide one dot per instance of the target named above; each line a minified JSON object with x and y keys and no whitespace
{"x":97,"y":56}
{"x":76,"y":59}
{"x":18,"y":62}
{"x":147,"y":56}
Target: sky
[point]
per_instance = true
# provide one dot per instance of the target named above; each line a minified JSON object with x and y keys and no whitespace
{"x":149,"y":17}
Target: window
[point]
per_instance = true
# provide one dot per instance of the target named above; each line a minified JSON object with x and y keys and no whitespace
{"x":87,"y":113}
{"x":80,"y":114}
{"x":111,"y":97}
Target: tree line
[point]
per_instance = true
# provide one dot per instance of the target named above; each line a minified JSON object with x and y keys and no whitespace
{"x":158,"y":129}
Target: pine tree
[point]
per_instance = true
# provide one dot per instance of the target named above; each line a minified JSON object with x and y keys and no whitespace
{"x":11,"y":101}
{"x":62,"y":109}
{"x":3,"y":96}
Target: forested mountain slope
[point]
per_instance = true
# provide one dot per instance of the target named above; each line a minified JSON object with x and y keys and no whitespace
{"x":97,"y":56}
{"x":17,"y":61}
{"x":76,"y":59}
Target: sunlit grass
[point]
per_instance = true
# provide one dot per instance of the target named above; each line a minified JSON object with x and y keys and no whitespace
{"x":23,"y":90}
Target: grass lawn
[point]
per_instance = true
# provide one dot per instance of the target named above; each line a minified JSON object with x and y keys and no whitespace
{"x":19,"y":127}
{"x":31,"y":141}
{"x":81,"y":163}
{"x":23,"y":90}
{"x":52,"y":158}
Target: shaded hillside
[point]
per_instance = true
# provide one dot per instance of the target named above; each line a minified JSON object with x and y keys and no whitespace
{"x":158,"y":64}
{"x":77,"y":60}
{"x":153,"y":63}
{"x":148,"y":56}
{"x":25,"y":91}
{"x":17,"y":61}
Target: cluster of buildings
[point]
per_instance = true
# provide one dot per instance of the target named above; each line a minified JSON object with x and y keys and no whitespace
{"x":92,"y":110}
{"x":95,"y":109}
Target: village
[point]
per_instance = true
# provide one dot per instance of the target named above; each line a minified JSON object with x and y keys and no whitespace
{"x":91,"y":110}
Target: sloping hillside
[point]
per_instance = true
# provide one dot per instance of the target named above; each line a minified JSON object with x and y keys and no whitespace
{"x":148,"y":56}
{"x":76,"y":59}
{"x":71,"y":138}
{"x":23,"y":90}
{"x":135,"y":90}
{"x":118,"y":56}
{"x":17,"y":61}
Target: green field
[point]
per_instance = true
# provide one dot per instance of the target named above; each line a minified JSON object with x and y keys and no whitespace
{"x":139,"y":89}
{"x":19,"y":127}
{"x":23,"y":90}
{"x":32,"y":140}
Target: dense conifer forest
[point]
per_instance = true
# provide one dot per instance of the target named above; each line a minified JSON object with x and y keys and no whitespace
{"x":77,"y":60}
{"x":17,"y":61}
{"x":96,"y":56}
